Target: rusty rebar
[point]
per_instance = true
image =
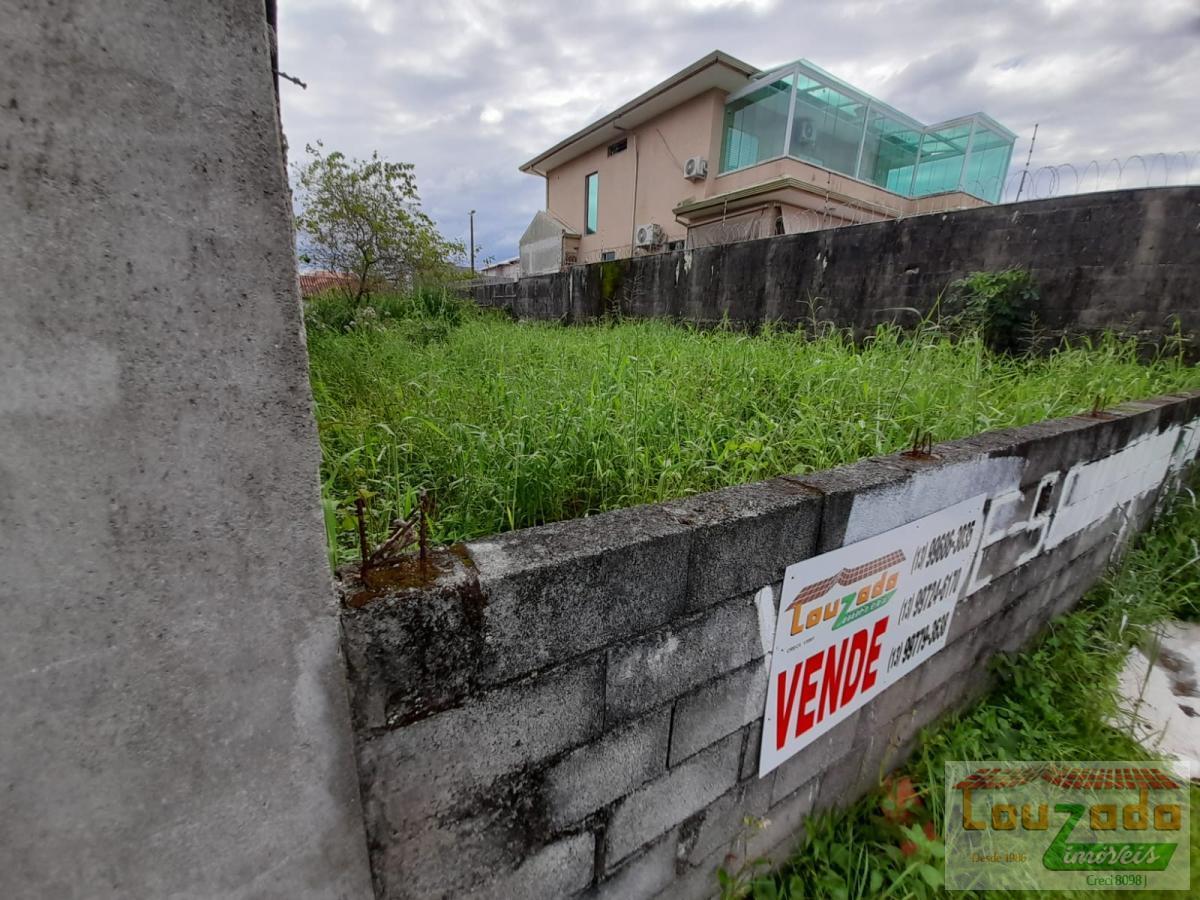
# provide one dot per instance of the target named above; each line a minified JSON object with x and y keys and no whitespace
{"x":364,"y":553}
{"x":423,"y":528}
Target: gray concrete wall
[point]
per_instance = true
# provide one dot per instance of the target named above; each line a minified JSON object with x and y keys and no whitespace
{"x":173,"y":716}
{"x":1122,"y":259}
{"x":575,"y":710}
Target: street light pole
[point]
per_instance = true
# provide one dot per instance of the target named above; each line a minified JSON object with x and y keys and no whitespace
{"x":472,"y":242}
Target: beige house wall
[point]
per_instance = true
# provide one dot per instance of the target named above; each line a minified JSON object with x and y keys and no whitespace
{"x":657,"y":150}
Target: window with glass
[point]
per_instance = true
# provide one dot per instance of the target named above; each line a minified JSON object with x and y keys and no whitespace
{"x":940,"y":164}
{"x":889,"y":153}
{"x":827,"y":127}
{"x":806,"y":114}
{"x":756,"y":125}
{"x":987,"y":163}
{"x":591,"y":202}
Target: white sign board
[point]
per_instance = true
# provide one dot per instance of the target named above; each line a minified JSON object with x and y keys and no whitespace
{"x":854,"y":621}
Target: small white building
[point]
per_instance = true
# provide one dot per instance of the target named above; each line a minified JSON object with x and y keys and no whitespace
{"x":505,"y":268}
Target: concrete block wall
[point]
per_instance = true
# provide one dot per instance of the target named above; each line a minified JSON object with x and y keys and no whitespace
{"x":575,"y":710}
{"x":1118,"y":259}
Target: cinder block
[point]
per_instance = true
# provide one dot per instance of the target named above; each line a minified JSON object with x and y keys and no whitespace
{"x":441,"y":857}
{"x":598,"y":773}
{"x":412,"y":651}
{"x":815,"y":758}
{"x":639,"y":877}
{"x":1051,"y":446}
{"x":652,"y":670}
{"x":1003,"y":556}
{"x":412,"y":774}
{"x":961,"y":693}
{"x":555,"y":871}
{"x":718,"y":708}
{"x":955,"y":660}
{"x":1106,"y":529}
{"x":698,"y":882}
{"x":929,"y":705}
{"x":744,"y":537}
{"x":724,"y":821}
{"x":974,"y":609}
{"x":557,"y":591}
{"x":841,"y":487}
{"x":752,"y":750}
{"x":782,"y":831}
{"x":664,"y":803}
{"x":875,"y":716}
{"x":873,"y":496}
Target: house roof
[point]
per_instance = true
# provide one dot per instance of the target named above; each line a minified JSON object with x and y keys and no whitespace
{"x":716,"y":70}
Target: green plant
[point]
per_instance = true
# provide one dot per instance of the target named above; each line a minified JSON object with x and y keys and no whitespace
{"x":999,"y":305}
{"x":516,"y":424}
{"x":362,"y":219}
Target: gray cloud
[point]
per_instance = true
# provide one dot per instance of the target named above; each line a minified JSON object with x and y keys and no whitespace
{"x":469,"y":89}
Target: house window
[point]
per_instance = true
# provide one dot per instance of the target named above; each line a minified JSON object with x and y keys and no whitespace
{"x":618,"y":146}
{"x":608,"y":256}
{"x":591,"y":202}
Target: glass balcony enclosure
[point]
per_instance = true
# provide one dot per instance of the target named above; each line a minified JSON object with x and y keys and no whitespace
{"x":807,"y":114}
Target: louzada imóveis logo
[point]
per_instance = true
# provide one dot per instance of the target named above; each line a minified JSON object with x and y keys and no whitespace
{"x":1066,"y":825}
{"x":871,"y":584}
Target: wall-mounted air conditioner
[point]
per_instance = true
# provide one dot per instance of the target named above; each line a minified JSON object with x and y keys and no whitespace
{"x":803,"y":131}
{"x":696,"y":168}
{"x":649,"y":235}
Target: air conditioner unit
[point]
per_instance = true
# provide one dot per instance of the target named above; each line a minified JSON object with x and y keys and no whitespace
{"x":696,"y":168}
{"x":803,"y":131}
{"x":649,"y":235}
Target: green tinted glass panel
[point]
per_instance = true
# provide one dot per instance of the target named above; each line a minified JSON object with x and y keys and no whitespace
{"x":756,"y":125}
{"x":889,"y":153}
{"x":987,"y":164}
{"x":827,"y":127}
{"x":940,"y":165}
{"x":591,"y":202}
{"x":839,"y":128}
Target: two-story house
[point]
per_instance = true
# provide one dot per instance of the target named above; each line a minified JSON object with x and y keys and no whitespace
{"x":721,"y":152}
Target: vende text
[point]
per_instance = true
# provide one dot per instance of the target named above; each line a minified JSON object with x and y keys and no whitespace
{"x":826,"y":681}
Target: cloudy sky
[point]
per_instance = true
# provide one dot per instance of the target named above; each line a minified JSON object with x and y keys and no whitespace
{"x":467,"y":90}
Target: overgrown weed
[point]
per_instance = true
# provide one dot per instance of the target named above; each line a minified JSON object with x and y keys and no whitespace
{"x":515,"y":424}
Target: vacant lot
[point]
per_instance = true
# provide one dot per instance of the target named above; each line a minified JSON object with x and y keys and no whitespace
{"x":510,"y":425}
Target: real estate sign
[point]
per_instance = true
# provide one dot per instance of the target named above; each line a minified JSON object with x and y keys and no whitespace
{"x":854,"y":621}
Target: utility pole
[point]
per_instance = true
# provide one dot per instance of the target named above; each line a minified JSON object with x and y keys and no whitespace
{"x":472,"y":242}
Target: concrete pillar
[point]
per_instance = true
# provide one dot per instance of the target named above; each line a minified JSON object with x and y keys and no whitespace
{"x":173,"y":717}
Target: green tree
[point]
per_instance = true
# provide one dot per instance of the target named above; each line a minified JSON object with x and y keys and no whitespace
{"x":362,"y":220}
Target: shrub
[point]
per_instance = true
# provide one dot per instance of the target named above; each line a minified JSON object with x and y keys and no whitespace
{"x":997,"y":305}
{"x":426,"y":313}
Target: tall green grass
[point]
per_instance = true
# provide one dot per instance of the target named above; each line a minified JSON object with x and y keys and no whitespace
{"x":511,"y":425}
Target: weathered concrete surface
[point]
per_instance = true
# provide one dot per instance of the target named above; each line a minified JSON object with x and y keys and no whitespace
{"x":173,"y":717}
{"x":1119,"y":259}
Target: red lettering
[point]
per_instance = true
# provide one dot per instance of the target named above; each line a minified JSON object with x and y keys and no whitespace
{"x":783,"y":705}
{"x":808,"y":692}
{"x":831,"y":681}
{"x":868,"y":680}
{"x":853,"y":670}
